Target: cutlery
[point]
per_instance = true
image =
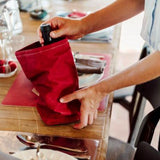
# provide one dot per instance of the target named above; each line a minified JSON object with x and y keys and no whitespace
{"x":37,"y":152}
{"x":31,"y":142}
{"x":96,"y":57}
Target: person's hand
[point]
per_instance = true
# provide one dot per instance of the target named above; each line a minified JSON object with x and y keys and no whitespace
{"x":64,"y":27}
{"x":90,"y":99}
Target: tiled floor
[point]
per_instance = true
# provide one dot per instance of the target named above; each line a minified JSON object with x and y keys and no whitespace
{"x":129,"y":53}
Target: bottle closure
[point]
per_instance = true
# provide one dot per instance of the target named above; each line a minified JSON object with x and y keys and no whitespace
{"x":45,"y":30}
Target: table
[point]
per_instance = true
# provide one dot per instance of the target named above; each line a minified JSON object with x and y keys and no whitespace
{"x":27,"y":119}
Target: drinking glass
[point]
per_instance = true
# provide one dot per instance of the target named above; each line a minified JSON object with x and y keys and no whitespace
{"x":3,"y":30}
{"x":5,"y":33}
{"x":7,"y":26}
{"x":12,"y":17}
{"x":11,"y":41}
{"x":16,"y":43}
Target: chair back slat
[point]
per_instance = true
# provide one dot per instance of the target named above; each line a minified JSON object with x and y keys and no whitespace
{"x":148,"y":126}
{"x":151,"y":91}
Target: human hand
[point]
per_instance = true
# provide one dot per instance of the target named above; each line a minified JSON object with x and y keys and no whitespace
{"x":64,"y":27}
{"x":90,"y":99}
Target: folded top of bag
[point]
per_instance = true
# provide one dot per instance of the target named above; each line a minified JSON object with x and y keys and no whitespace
{"x":88,"y":66}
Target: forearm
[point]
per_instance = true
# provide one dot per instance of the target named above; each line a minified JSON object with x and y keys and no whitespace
{"x":142,"y":71}
{"x":117,"y":12}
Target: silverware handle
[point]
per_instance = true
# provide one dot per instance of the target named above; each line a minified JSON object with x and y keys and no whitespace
{"x":82,"y":157}
{"x":65,"y":148}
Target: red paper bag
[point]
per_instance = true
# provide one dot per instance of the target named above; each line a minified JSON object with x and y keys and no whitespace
{"x":52,"y":71}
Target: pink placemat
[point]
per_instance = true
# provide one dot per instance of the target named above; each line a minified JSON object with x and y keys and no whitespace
{"x":20,"y":93}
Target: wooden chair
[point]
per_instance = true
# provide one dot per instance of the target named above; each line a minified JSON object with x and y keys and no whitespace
{"x":118,"y":150}
{"x":139,"y":94}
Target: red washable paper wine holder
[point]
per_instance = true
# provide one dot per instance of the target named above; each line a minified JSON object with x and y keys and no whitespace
{"x":52,"y":72}
{"x":19,"y":96}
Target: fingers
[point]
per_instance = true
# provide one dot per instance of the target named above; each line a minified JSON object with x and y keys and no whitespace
{"x":88,"y":108}
{"x":83,"y":120}
{"x":86,"y":117}
{"x":57,"y":33}
{"x":54,"y":24}
{"x":70,"y":97}
{"x":95,"y":114}
{"x":58,"y":28}
{"x":87,"y":114}
{"x":90,"y":118}
{"x":40,"y":35}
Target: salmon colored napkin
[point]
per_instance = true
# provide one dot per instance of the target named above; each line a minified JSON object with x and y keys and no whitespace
{"x":20,"y":93}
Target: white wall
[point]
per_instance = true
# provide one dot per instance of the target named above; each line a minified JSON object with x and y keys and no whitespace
{"x":130,"y":34}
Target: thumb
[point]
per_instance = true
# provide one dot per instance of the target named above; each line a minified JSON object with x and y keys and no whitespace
{"x":57,"y":33}
{"x":68,"y":98}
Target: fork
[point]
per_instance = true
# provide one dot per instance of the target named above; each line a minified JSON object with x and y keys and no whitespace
{"x":37,"y":152}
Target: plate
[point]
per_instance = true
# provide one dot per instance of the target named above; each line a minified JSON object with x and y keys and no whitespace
{"x":7,"y":75}
{"x":45,"y":154}
{"x":89,"y":79}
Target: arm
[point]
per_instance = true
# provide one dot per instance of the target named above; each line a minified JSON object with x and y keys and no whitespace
{"x":117,"y":12}
{"x":142,"y":71}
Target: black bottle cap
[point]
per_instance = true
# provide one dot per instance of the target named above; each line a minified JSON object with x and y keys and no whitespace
{"x":46,"y":29}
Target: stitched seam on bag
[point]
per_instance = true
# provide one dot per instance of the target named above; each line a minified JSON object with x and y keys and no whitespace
{"x":40,"y":51}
